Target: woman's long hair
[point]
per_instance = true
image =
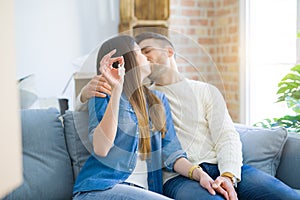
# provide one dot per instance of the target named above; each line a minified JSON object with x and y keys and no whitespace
{"x":139,"y":95}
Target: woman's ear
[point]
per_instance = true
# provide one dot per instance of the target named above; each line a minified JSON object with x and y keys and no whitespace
{"x":170,"y":52}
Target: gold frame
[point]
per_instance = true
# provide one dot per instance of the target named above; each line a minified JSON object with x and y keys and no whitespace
{"x":141,"y":13}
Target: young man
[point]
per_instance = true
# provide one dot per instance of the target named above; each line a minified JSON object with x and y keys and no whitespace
{"x":206,"y":133}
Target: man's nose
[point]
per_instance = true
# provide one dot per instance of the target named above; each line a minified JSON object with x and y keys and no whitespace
{"x":148,"y":58}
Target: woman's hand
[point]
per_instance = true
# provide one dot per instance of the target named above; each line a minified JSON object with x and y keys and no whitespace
{"x":220,"y":185}
{"x":204,"y":180}
{"x":111,"y":74}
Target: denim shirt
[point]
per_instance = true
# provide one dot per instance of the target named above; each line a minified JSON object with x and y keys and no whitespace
{"x":101,"y":173}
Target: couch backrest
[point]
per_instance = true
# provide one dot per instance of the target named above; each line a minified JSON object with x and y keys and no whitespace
{"x":289,"y":168}
{"x":47,"y":167}
{"x":53,"y":154}
{"x":76,"y":134}
{"x":262,"y":148}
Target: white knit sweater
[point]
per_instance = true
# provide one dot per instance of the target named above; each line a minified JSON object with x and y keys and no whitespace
{"x":203,"y":125}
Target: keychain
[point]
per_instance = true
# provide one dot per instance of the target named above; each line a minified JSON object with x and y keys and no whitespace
{"x":121,"y":70}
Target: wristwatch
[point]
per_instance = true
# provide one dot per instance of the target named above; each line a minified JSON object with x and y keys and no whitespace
{"x":232,"y":178}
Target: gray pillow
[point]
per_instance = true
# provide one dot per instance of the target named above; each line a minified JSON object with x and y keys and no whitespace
{"x":47,"y":167}
{"x":262,"y":148}
{"x":76,"y":133}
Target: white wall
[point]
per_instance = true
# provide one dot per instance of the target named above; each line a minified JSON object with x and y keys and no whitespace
{"x":50,"y":34}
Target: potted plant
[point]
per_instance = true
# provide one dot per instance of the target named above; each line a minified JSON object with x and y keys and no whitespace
{"x":289,"y":92}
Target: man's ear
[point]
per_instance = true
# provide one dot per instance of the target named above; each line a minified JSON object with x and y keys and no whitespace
{"x":170,"y":52}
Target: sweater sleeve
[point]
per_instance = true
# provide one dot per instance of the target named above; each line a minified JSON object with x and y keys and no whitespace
{"x":80,"y":106}
{"x":226,"y":139}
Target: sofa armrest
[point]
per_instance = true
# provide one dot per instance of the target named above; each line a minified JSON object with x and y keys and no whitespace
{"x":288,"y":170}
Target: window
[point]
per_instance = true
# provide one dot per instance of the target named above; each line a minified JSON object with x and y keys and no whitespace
{"x":270,"y":35}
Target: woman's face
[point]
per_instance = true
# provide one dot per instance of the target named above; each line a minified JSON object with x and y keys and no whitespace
{"x":143,"y":63}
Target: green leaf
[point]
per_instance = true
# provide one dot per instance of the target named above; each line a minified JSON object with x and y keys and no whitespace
{"x":289,"y":92}
{"x":266,"y":123}
{"x":280,"y":99}
{"x":296,"y":68}
{"x":296,"y":108}
{"x":284,"y":89}
{"x":291,"y":84}
{"x":290,"y":76}
{"x":296,"y":94}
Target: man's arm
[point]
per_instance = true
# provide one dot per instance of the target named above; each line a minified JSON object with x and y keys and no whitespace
{"x":226,"y":139}
{"x":97,"y":86}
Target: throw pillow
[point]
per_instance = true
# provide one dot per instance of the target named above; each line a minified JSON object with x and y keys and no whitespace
{"x":262,"y":148}
{"x":47,"y":167}
{"x":76,"y":133}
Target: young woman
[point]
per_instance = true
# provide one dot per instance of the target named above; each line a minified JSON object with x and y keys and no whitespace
{"x":131,"y":131}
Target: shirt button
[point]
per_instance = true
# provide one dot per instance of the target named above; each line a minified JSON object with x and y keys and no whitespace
{"x":130,"y":169}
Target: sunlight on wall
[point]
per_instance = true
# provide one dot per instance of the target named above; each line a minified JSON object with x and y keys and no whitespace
{"x":272,"y":52}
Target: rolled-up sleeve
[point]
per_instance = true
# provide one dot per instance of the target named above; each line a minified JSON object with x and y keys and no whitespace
{"x":172,"y":149}
{"x":96,"y":107}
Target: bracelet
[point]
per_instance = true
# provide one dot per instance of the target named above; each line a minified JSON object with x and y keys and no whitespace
{"x":191,"y":170}
{"x":232,"y":178}
{"x":227,"y":174}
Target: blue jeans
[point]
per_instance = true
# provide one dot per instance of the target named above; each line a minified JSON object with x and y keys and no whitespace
{"x":255,"y":184}
{"x":120,"y":192}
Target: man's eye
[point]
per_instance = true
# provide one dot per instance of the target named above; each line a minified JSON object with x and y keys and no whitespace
{"x":146,"y":51}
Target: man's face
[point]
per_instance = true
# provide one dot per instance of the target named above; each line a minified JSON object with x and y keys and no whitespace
{"x":154,"y":52}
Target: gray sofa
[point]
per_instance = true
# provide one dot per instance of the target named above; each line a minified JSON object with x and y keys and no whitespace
{"x":55,"y":148}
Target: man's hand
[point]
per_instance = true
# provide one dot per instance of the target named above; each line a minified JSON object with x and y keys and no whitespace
{"x":224,"y":186}
{"x":221,"y":185}
{"x":97,"y":86}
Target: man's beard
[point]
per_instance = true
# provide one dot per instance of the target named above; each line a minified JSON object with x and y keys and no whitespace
{"x":158,"y":71}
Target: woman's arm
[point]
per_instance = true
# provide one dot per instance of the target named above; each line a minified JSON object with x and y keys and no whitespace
{"x":105,"y":132}
{"x":187,"y":169}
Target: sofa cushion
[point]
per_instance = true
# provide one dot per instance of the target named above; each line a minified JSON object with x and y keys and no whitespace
{"x":76,"y":133}
{"x":262,"y":148}
{"x":288,"y":170}
{"x":47,"y":167}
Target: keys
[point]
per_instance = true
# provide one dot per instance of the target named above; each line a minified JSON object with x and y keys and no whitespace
{"x":121,"y":70}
